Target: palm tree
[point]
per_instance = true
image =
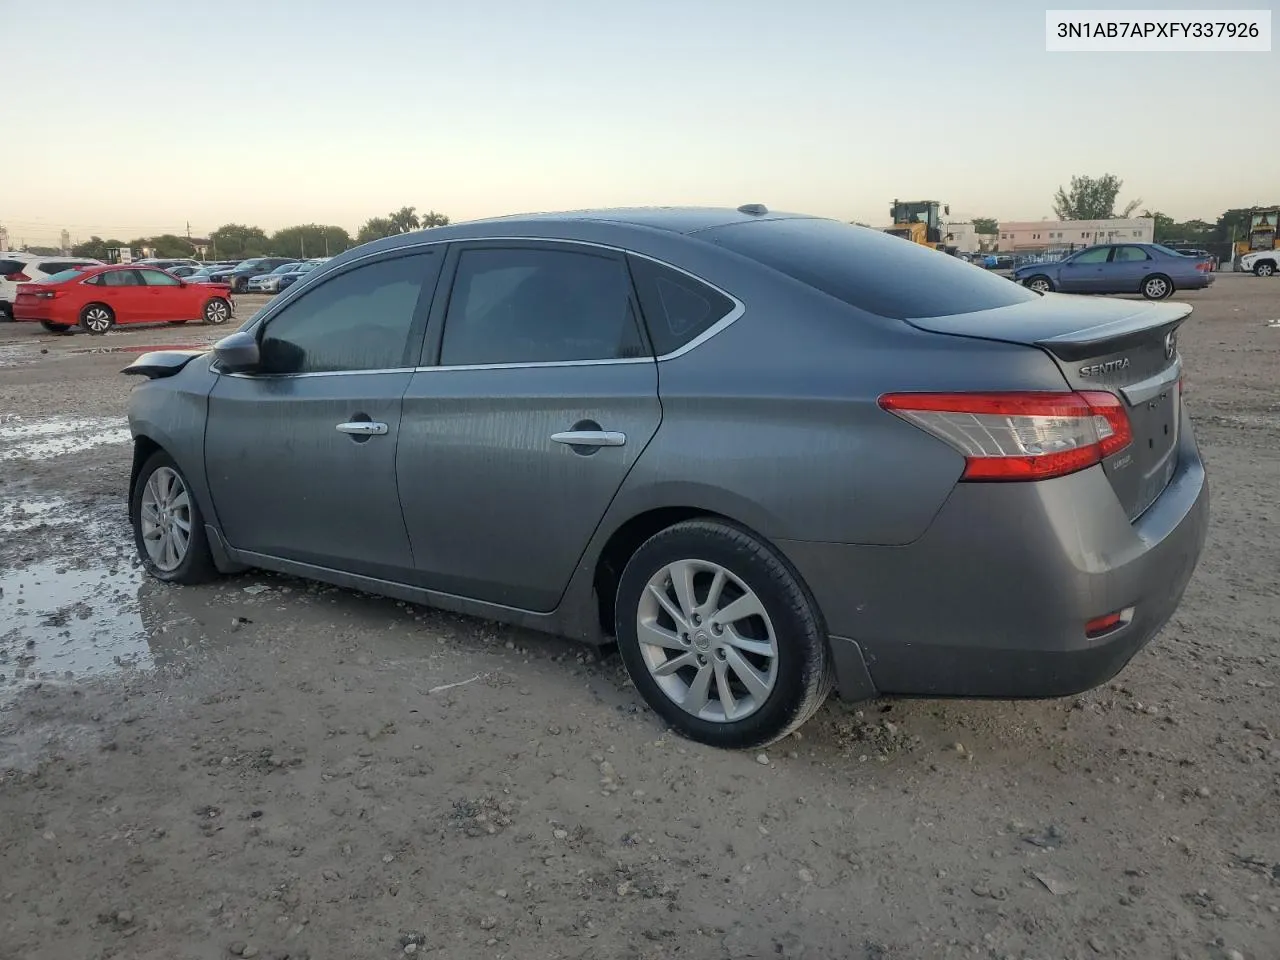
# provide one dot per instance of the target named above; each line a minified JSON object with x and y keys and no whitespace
{"x":433,"y":219}
{"x":404,"y":220}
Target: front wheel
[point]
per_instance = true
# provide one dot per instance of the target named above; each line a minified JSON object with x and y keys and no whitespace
{"x":1157,"y":287}
{"x":217,"y":311}
{"x":97,"y":318}
{"x":167,"y":527}
{"x":54,"y":327}
{"x":1264,"y":269}
{"x":720,"y":636}
{"x":1040,"y":284}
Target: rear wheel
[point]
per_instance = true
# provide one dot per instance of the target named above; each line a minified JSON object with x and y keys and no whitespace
{"x":1264,"y":269}
{"x":97,"y":318}
{"x":1040,"y":284}
{"x":1157,"y":287}
{"x":217,"y":311}
{"x":720,"y":636}
{"x":54,"y":327}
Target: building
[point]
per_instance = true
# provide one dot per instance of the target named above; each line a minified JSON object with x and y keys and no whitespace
{"x":1031,"y":235}
{"x":966,"y":239}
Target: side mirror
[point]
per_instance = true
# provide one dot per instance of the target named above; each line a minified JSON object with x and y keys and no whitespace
{"x":237,"y":352}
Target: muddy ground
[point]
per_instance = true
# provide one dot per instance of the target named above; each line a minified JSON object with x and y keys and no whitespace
{"x":269,"y":768}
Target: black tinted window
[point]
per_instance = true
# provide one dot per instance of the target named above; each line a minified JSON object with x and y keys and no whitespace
{"x":676,"y":307}
{"x":57,"y":266}
{"x":868,"y":269}
{"x":358,"y":320}
{"x":521,"y":305}
{"x":11,"y":266}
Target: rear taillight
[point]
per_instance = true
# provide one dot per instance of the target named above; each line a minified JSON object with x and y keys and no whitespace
{"x":1204,"y":266}
{"x":18,"y":277}
{"x":1020,"y":436}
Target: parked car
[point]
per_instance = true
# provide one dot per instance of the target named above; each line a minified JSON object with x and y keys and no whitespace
{"x":767,"y":453}
{"x":20,"y":268}
{"x":1262,"y":263}
{"x":284,"y":277}
{"x":244,"y":271}
{"x":266,"y":282}
{"x":168,"y":264}
{"x":96,"y":298}
{"x":183,"y":270}
{"x":1197,"y":254}
{"x":204,"y":274}
{"x":1153,"y":270}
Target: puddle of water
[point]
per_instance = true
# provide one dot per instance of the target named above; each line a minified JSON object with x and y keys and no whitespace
{"x":59,"y":621}
{"x":22,"y":439}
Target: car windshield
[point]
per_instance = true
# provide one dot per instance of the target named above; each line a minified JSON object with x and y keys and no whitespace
{"x":63,"y":275}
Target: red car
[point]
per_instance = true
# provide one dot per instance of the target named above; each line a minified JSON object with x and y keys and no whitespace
{"x":96,"y":298}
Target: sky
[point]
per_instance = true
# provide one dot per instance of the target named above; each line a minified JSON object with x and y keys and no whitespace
{"x":141,"y":118}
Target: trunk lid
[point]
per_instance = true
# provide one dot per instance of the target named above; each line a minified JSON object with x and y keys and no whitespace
{"x":1124,"y":347}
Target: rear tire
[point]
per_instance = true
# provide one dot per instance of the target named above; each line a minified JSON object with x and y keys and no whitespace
{"x":1040,"y":284}
{"x":1157,"y":287}
{"x":97,"y":318}
{"x":160,"y":504}
{"x":6,"y":312}
{"x":54,"y":327}
{"x":1264,"y":269}
{"x":765,"y":660}
{"x":217,"y":311}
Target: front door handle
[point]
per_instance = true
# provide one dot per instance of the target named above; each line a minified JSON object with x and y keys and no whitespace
{"x":363,"y":428}
{"x":590,"y":438}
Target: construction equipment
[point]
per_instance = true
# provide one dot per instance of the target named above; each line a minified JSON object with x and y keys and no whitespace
{"x":919,"y":222}
{"x":1262,"y":233}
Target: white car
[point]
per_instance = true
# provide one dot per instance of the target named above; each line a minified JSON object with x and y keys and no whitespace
{"x":1263,"y":263}
{"x":16,"y":268}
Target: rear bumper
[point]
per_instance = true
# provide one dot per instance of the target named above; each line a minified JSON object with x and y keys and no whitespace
{"x":993,"y":599}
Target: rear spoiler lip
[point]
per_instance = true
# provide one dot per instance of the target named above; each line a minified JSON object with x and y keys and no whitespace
{"x":161,"y":363}
{"x":1119,"y":334}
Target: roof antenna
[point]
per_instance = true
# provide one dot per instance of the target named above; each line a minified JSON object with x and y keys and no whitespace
{"x":753,"y":209}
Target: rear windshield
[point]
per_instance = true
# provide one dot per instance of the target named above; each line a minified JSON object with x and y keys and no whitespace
{"x":868,"y":269}
{"x":11,"y":266}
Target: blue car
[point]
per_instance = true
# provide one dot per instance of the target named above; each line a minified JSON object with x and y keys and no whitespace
{"x":1151,"y":269}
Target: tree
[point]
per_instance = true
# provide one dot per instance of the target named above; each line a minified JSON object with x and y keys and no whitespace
{"x":433,"y":219}
{"x":1164,"y":229}
{"x":1091,"y":198}
{"x":165,"y":245}
{"x":310,"y":240}
{"x":232,"y":240}
{"x":985,"y":225}
{"x":404,"y":220}
{"x":375,"y":228}
{"x":95,"y":248}
{"x":41,"y":251}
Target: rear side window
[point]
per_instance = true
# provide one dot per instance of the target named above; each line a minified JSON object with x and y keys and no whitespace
{"x":11,"y":266}
{"x":120,"y":278}
{"x":867,"y":269}
{"x":676,"y":307}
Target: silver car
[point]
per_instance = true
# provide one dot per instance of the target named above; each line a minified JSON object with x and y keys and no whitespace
{"x":764,"y":453}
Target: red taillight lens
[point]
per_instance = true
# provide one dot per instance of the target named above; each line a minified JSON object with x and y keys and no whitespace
{"x":1101,"y":626}
{"x":1020,"y":436}
{"x":18,"y":277}
{"x":1204,"y":267}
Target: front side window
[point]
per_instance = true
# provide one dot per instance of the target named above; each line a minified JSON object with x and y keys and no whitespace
{"x":155,"y":278}
{"x":1092,"y":255}
{"x":524,"y":305}
{"x":357,"y":320}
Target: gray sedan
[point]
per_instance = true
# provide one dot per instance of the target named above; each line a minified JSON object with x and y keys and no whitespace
{"x":1153,"y":270}
{"x":766,"y":454}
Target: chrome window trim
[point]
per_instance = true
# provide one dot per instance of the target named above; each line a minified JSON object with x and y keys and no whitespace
{"x":739,"y":308}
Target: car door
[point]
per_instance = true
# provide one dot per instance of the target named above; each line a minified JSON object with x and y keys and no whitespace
{"x":537,"y":395}
{"x":125,"y":294}
{"x":1084,"y":272}
{"x":1129,"y":266}
{"x":165,"y":298}
{"x":301,"y":454}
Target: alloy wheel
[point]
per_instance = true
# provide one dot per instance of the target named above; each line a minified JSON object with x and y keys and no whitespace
{"x":1039,"y":286}
{"x":707,"y":641}
{"x":1157,"y":287}
{"x":165,"y":518}
{"x":216,"y":311}
{"x":97,"y":319}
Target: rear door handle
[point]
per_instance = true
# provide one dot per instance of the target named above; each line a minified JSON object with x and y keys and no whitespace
{"x":590,"y":438}
{"x":363,"y":428}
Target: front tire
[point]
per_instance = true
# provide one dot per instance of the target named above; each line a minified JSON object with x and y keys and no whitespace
{"x":720,"y":636}
{"x":1040,"y":284}
{"x":168,"y":529}
{"x":97,"y":318}
{"x":54,"y":327}
{"x":1264,"y":269}
{"x":217,"y":311}
{"x":1157,"y":287}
